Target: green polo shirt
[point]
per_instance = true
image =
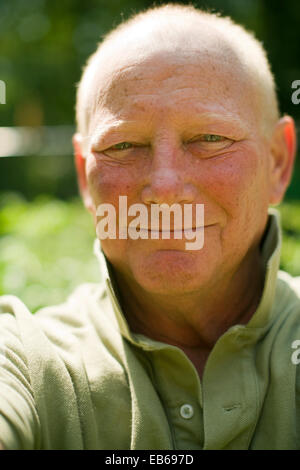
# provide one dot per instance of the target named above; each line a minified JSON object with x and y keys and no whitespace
{"x":74,"y":376}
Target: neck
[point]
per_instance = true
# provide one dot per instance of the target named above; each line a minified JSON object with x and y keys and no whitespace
{"x":194,"y":321}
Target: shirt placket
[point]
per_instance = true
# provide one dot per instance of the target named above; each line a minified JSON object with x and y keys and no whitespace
{"x":230,"y":392}
{"x":178,"y":386}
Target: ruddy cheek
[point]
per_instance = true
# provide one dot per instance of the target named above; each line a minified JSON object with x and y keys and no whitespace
{"x":229,"y":181}
{"x":107,"y":184}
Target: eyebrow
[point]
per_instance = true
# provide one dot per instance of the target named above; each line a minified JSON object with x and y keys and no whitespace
{"x":207,"y":118}
{"x":103,"y":131}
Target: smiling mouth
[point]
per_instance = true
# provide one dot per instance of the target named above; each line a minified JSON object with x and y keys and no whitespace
{"x":186,"y":230}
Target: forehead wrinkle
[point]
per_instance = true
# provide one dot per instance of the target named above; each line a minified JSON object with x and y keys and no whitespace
{"x":129,"y":80}
{"x":164,"y":65}
{"x":148,"y":107}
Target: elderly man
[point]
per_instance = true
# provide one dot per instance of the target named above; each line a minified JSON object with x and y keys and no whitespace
{"x":176,"y":348}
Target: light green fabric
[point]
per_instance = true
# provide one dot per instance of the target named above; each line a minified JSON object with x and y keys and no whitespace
{"x":73,"y":376}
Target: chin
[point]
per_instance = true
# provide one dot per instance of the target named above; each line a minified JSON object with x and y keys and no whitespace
{"x":171,"y":272}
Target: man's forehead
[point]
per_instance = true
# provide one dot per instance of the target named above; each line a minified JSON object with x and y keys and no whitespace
{"x":166,"y":71}
{"x":166,"y":76}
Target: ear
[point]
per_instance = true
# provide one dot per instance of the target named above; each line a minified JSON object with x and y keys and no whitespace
{"x":80,"y":162}
{"x":283,"y":151}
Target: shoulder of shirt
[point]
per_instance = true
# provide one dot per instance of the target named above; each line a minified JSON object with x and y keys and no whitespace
{"x":292,"y":283}
{"x":76,"y":306}
{"x":60,"y":323}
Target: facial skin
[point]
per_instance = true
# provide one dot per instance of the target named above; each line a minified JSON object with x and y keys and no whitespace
{"x":169,"y":108}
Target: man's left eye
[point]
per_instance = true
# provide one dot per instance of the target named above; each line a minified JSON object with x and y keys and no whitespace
{"x":208,"y":144}
{"x":211,"y":138}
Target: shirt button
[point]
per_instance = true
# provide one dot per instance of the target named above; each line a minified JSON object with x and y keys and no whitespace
{"x":186,"y":411}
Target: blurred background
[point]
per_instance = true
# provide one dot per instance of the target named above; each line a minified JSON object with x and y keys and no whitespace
{"x":46,"y":236}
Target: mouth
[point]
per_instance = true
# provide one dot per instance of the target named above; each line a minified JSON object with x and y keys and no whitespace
{"x":177,"y":229}
{"x":186,"y":230}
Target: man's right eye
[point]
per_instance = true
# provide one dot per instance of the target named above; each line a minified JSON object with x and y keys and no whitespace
{"x":121,"y":146}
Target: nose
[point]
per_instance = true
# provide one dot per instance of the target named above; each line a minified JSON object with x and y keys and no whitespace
{"x":168,"y":181}
{"x":167,"y":185}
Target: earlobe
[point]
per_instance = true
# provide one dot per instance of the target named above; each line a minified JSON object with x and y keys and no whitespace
{"x":80,"y":162}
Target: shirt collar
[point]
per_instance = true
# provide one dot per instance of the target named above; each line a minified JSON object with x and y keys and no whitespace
{"x":270,"y":252}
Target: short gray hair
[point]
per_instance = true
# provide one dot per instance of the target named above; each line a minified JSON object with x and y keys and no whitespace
{"x":173,"y":24}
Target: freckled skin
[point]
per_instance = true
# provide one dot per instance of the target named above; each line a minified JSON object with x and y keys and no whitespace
{"x":186,"y":297}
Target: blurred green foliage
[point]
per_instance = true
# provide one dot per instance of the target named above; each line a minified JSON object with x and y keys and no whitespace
{"x":46,"y":247}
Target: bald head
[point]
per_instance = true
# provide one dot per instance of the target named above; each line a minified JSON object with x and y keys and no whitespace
{"x":185,"y":34}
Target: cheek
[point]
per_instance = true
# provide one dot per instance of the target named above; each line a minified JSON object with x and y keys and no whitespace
{"x":236,"y":181}
{"x":108,"y":181}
